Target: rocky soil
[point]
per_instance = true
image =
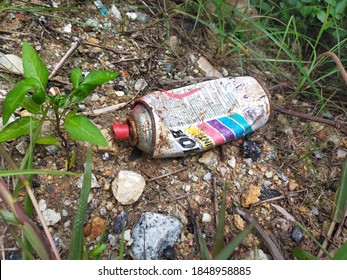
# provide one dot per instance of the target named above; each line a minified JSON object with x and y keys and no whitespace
{"x":290,"y":163}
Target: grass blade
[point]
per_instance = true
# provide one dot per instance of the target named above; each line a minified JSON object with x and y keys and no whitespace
{"x":341,"y":253}
{"x":301,"y":254}
{"x":230,"y":248}
{"x":76,"y":246}
{"x":341,"y":197}
{"x":220,"y":229}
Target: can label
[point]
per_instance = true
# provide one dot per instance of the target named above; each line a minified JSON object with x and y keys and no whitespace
{"x":201,"y":116}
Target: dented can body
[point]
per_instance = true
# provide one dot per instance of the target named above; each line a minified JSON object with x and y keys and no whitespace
{"x":195,"y":118}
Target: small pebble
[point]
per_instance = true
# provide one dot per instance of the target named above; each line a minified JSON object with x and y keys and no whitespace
{"x":315,"y":211}
{"x":232,"y":162}
{"x":112,"y":239}
{"x":208,"y":176}
{"x":127,"y":235}
{"x":267,"y":184}
{"x":105,"y":156}
{"x":120,"y":221}
{"x":169,"y":253}
{"x":268,"y":174}
{"x":206,"y":218}
{"x":297,"y":234}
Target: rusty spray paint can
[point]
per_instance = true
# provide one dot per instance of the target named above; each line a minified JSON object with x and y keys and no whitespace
{"x":195,"y":118}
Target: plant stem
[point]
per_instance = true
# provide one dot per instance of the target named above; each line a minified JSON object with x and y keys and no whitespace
{"x":62,"y":137}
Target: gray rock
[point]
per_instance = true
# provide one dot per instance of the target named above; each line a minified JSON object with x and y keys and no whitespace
{"x":95,"y":183}
{"x":120,"y":221}
{"x":22,"y":146}
{"x":210,"y":159}
{"x":51,"y":217}
{"x":256,"y":254}
{"x":232,"y":162}
{"x":208,"y":176}
{"x":152,"y":234}
{"x":248,"y":162}
{"x":315,"y":211}
{"x":58,"y":243}
{"x":341,"y":154}
{"x":112,"y":239}
{"x":128,"y":187}
{"x":142,"y":17}
{"x":297,"y":234}
{"x":140,"y":84}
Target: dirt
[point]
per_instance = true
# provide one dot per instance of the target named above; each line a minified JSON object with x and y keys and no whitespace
{"x":299,"y":160}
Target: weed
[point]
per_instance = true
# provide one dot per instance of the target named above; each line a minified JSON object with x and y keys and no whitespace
{"x":31,"y":94}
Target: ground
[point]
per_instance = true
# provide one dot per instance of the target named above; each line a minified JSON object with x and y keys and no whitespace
{"x":300,"y":162}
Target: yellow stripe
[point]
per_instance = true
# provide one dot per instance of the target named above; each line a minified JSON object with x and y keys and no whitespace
{"x":200,"y":136}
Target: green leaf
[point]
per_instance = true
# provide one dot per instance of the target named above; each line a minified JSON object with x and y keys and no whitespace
{"x":230,"y":248}
{"x":17,"y":128}
{"x":76,"y":77}
{"x":48,"y":140}
{"x":99,"y":77}
{"x":8,"y":217}
{"x":15,"y":97}
{"x":341,"y":196}
{"x":97,"y":251}
{"x":79,"y":94}
{"x":36,"y":241}
{"x":301,"y":254}
{"x":321,"y":15}
{"x":33,"y":65}
{"x":76,"y":245}
{"x":341,"y":253}
{"x":31,"y":106}
{"x":39,"y":96}
{"x":80,"y":128}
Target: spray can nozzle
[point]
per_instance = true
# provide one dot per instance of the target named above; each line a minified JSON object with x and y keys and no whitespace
{"x":120,"y":131}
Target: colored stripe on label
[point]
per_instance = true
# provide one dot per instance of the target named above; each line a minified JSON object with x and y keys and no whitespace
{"x":200,"y":136}
{"x":227,"y":133}
{"x":235,"y":126}
{"x":241,"y":120}
{"x":214,"y":134}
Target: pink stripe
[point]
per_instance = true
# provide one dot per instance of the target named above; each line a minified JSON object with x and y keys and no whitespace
{"x":210,"y":131}
{"x":180,"y":95}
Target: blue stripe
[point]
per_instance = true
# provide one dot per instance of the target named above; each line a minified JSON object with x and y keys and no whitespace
{"x":238,"y":130}
{"x":241,"y":120}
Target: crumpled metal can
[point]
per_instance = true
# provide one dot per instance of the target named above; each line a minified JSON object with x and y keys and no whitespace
{"x":195,"y":118}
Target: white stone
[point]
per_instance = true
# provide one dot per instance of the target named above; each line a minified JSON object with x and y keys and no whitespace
{"x":128,"y":187}
{"x":68,"y":28}
{"x":127,"y":235}
{"x":206,"y":218}
{"x":51,"y":217}
{"x":42,"y":205}
{"x":268,"y":174}
{"x":232,"y":162}
{"x":132,"y":16}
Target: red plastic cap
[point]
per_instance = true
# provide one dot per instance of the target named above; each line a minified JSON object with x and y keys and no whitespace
{"x":120,"y":131}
